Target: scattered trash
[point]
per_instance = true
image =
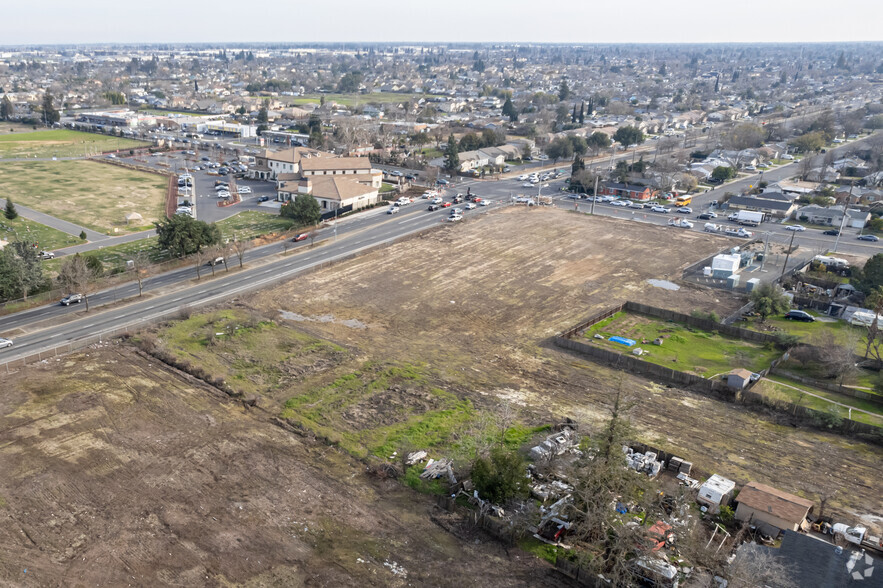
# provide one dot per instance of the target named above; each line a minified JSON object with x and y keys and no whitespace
{"x":555,"y":444}
{"x":597,"y":336}
{"x":437,"y":469}
{"x":415,"y":457}
{"x":645,"y":463}
{"x":638,"y":351}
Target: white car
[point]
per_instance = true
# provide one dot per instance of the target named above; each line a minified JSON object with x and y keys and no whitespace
{"x":243,"y":189}
{"x":684,"y":210}
{"x":223,"y":194}
{"x":392,"y":210}
{"x":619,"y":203}
{"x":635,"y":205}
{"x":454,"y":218}
{"x":661,"y":209}
{"x":5,"y":342}
{"x":527,"y":185}
{"x":456,"y":211}
{"x":522,"y":177}
{"x":484,"y":203}
{"x":470,"y":206}
{"x":437,"y":200}
{"x":795,"y":228}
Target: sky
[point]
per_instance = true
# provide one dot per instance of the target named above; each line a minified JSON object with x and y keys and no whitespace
{"x":544,"y":21}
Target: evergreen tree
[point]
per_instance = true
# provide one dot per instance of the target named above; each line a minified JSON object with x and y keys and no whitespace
{"x":452,"y":157}
{"x":50,"y":114}
{"x":582,"y":113}
{"x":563,"y":91}
{"x":10,"y":213}
{"x":573,"y":114}
{"x":509,"y":110}
{"x":304,"y":209}
{"x":6,"y":108}
{"x":717,"y":84}
{"x":662,"y":70}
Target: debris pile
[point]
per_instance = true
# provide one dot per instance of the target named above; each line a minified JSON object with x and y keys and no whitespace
{"x":555,"y":444}
{"x":645,"y":463}
{"x":437,"y":469}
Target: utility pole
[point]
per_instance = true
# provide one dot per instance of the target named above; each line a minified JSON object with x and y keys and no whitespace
{"x":595,"y":194}
{"x":842,"y":220}
{"x":787,"y":255}
{"x":766,"y":247}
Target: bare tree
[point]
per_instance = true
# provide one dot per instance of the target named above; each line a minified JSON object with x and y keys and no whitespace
{"x":75,"y":277}
{"x":200,"y":257}
{"x":240,"y":247}
{"x":141,"y":265}
{"x":757,"y":566}
{"x":312,"y":235}
{"x":838,"y":359}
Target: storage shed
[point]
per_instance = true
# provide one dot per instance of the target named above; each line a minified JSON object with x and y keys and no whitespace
{"x":723,"y":266}
{"x":738,"y":378}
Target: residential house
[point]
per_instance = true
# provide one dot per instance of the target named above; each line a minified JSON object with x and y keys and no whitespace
{"x":630,"y":191}
{"x":773,"y":204}
{"x":832,"y":216}
{"x":495,"y":155}
{"x":823,"y":174}
{"x":771,"y":510}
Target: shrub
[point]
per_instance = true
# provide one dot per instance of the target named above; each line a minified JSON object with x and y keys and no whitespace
{"x":727,"y":515}
{"x":500,"y":477}
{"x":787,"y":341}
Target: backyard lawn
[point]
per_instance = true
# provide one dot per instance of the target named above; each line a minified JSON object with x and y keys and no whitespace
{"x":684,"y":348}
{"x":841,"y":330}
{"x":60,"y":143}
{"x":94,"y":195}
{"x":27,"y":230}
{"x":778,"y":387}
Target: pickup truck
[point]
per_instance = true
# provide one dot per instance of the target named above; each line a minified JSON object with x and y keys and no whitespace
{"x":740,"y":232}
{"x":857,"y":536}
{"x":680,"y":222}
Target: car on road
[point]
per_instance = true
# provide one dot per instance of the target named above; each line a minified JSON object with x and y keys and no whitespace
{"x":46,"y":255}
{"x":635,"y":205}
{"x":484,"y":203}
{"x":456,"y":211}
{"x":263,"y":198}
{"x":661,"y":209}
{"x":707,"y":215}
{"x":442,"y":182}
{"x":437,"y":200}
{"x":470,"y":206}
{"x":300,"y":237}
{"x":243,"y":189}
{"x":433,"y":207}
{"x":523,"y":177}
{"x":71,"y":299}
{"x":410,"y":177}
{"x":799,"y":315}
{"x":392,"y":210}
{"x":874,"y":238}
{"x":396,"y":173}
{"x":619,"y":203}
{"x":215,"y":261}
{"x":527,"y":185}
{"x":445,"y":204}
{"x":795,"y":228}
{"x":832,"y":232}
{"x":5,"y":343}
{"x":455,"y":217}
{"x":684,"y":210}
{"x":457,"y":199}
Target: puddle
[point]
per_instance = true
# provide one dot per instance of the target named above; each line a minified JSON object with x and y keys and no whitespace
{"x":664,"y":284}
{"x":325,"y":318}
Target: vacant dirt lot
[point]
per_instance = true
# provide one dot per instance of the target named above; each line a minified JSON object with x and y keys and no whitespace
{"x":477,"y":303}
{"x":118,"y":472}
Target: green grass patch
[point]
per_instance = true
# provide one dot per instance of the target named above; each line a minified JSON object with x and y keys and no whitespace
{"x":807,"y":332}
{"x":384,"y":188}
{"x":253,"y":223}
{"x":94,"y":195}
{"x":60,"y":143}
{"x":774,"y":388}
{"x":253,"y":355}
{"x":539,"y":549}
{"x":684,"y":348}
{"x":27,"y":230}
{"x":431,"y":152}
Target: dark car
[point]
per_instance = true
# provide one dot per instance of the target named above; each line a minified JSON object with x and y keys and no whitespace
{"x":410,"y":177}
{"x":71,"y":299}
{"x":868,"y":238}
{"x":263,"y":198}
{"x":799,"y":315}
{"x":442,"y":182}
{"x":433,"y":207}
{"x":300,"y":237}
{"x":705,"y":216}
{"x":833,"y":232}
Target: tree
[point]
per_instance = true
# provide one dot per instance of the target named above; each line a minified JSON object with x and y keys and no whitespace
{"x":20,"y":270}
{"x":6,"y":108}
{"x":83,"y":235}
{"x":501,"y":476}
{"x":563,"y":91}
{"x":597,"y":141}
{"x":183,"y":235}
{"x":560,"y":148}
{"x":723,"y":173}
{"x":870,"y":277}
{"x":50,"y":114}
{"x":263,"y":113}
{"x":809,"y":142}
{"x":141,"y":266}
{"x":350,"y":82}
{"x":304,"y":209}
{"x":509,"y":110}
{"x":769,"y":298}
{"x":578,"y":144}
{"x":241,"y":247}
{"x":744,"y":136}
{"x":452,"y":157}
{"x":10,"y":213}
{"x":75,"y":276}
{"x":582,"y":113}
{"x":629,"y":135}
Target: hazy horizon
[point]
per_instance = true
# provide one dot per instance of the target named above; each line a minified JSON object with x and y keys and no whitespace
{"x":385,"y":21}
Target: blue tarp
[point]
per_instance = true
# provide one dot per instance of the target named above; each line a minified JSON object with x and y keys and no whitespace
{"x":623,"y":341}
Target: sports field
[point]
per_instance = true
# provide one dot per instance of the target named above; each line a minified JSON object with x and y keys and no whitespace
{"x":93,"y":195}
{"x":31,"y":144}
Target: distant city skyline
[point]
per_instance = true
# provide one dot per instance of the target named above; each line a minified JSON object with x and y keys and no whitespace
{"x":394,"y":21}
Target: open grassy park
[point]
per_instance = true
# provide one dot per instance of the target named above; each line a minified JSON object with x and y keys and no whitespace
{"x":23,"y":229}
{"x":93,"y":195}
{"x":683,"y":348}
{"x":31,"y":144}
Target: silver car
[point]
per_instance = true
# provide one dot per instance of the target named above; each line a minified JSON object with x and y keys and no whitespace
{"x":5,"y":342}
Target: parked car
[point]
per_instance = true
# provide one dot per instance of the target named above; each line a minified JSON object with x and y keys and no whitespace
{"x":300,"y":237}
{"x":795,"y":228}
{"x":661,"y":209}
{"x":71,"y":299}
{"x":799,"y":315}
{"x":868,"y":238}
{"x":46,"y":255}
{"x":5,"y":343}
{"x":832,"y":232}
